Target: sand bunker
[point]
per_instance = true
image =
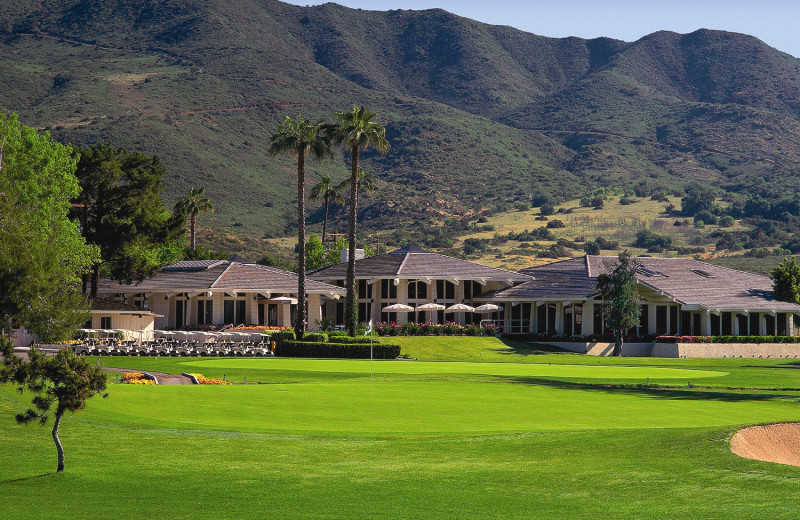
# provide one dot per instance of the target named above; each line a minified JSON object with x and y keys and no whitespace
{"x":771,"y":443}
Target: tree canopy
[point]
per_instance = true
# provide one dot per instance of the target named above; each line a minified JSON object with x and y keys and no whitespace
{"x":42,"y":256}
{"x":125,"y":217}
{"x":786,"y":280}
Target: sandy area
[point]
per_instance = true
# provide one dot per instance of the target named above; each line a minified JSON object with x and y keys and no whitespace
{"x":771,"y":443}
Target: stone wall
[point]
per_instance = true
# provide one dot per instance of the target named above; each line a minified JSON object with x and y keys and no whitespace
{"x":686,"y":350}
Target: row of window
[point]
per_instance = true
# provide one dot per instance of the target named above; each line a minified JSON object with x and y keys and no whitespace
{"x":417,"y":289}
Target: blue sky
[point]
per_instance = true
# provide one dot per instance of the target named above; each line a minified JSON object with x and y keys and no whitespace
{"x":776,"y":22}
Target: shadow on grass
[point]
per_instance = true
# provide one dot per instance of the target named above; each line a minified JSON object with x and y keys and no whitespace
{"x":23,"y":479}
{"x":518,"y":348}
{"x":654,"y":391}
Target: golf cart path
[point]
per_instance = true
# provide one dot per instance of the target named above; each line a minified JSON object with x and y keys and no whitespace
{"x":778,"y":442}
{"x":161,"y":378}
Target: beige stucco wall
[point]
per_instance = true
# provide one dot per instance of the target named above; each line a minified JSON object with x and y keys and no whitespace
{"x":686,"y":350}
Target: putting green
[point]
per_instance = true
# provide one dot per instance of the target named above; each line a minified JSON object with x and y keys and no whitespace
{"x":388,"y":408}
{"x":439,"y":367}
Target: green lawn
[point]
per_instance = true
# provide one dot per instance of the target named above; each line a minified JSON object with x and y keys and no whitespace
{"x":324,"y":439}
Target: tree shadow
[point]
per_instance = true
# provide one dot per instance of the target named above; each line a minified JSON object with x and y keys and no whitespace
{"x":654,"y":391}
{"x":22,"y":479}
{"x":529,"y":349}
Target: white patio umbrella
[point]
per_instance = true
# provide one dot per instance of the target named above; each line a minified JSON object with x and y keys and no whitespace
{"x":459,"y":307}
{"x":487,"y":308}
{"x":430,"y":307}
{"x":398,"y":307}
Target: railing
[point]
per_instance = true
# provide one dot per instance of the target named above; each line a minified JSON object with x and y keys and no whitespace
{"x":510,"y":326}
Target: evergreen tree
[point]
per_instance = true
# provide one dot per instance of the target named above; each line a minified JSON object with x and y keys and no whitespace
{"x":786,"y":280}
{"x":64,"y":380}
{"x":124,"y":215}
{"x":622,"y":302}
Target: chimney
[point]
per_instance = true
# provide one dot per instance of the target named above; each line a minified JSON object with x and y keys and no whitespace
{"x":359,"y":254}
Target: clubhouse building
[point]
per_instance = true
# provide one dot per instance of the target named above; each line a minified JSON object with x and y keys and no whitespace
{"x":679,"y":296}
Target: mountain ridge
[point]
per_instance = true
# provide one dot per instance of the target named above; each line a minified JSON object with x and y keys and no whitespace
{"x":478,"y":115}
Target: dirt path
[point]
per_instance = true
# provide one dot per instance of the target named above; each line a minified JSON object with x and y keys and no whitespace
{"x":771,"y":443}
{"x":161,"y":378}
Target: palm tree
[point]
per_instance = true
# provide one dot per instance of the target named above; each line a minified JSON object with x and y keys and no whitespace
{"x":329,"y":192}
{"x":193,"y":205}
{"x":366,"y":181}
{"x":301,"y":138}
{"x":357,"y":132}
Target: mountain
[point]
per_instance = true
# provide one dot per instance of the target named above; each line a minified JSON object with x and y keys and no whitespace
{"x":478,"y":116}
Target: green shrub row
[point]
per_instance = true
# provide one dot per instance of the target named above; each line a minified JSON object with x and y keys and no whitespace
{"x":281,"y":336}
{"x":308,"y":349}
{"x":357,"y":339}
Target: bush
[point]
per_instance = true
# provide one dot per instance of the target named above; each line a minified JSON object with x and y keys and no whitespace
{"x":281,"y":336}
{"x":555,"y":223}
{"x":350,"y":339}
{"x":307,"y":349}
{"x":315,"y":337}
{"x":547,"y":209}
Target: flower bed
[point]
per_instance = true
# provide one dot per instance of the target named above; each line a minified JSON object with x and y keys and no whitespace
{"x":435,"y":329}
{"x":203,"y":380}
{"x":136,"y":378}
{"x":728,"y":339}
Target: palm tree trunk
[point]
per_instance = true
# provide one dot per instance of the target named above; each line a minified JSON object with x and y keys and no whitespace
{"x":192,"y":224}
{"x":325,"y":221}
{"x":95,"y":279}
{"x":59,"y":448}
{"x":300,"y":322}
{"x":351,"y":305}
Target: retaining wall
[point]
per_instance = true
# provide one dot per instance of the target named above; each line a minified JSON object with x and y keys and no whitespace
{"x":686,"y":350}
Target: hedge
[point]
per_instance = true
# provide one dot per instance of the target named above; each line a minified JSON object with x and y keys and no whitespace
{"x":315,"y":336}
{"x":312,"y":349}
{"x":281,"y":336}
{"x":357,"y":339}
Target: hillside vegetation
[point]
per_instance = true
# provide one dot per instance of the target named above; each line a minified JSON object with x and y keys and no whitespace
{"x":477,"y":115}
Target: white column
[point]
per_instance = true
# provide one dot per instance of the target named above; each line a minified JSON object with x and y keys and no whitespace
{"x":314,"y":311}
{"x":587,"y":327}
{"x":705,"y":324}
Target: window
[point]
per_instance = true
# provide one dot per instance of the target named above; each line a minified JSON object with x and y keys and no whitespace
{"x":471,"y":289}
{"x":364,"y":311}
{"x":661,"y":320}
{"x":234,"y":311}
{"x":205,"y":312}
{"x":105,"y":322}
{"x":364,"y":289}
{"x":388,"y":289}
{"x":417,"y":290}
{"x":445,"y":290}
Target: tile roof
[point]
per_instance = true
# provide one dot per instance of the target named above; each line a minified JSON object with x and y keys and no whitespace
{"x":690,"y":282}
{"x":101,"y":305}
{"x":198,"y":275}
{"x":411,"y":262}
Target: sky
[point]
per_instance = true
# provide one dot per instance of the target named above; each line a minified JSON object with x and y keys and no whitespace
{"x":775,"y":22}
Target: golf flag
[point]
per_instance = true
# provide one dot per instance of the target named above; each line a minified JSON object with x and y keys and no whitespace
{"x":369,"y":328}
